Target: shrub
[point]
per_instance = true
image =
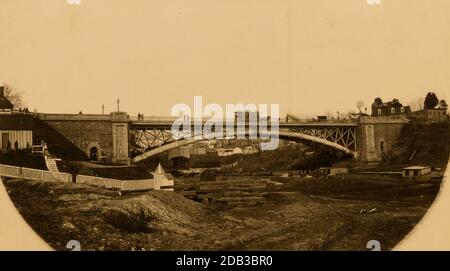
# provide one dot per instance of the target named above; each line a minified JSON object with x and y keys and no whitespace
{"x":129,"y":221}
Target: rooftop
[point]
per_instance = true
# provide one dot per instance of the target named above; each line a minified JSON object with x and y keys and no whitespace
{"x":16,"y":122}
{"x":417,"y":167}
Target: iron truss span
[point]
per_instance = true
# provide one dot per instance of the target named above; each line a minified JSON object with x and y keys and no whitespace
{"x":147,"y":141}
{"x":343,"y":136}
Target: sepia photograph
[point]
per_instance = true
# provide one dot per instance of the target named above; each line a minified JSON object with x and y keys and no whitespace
{"x":224,"y":126}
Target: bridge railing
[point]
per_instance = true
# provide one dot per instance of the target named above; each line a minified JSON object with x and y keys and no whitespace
{"x":168,"y":121}
{"x":73,"y":117}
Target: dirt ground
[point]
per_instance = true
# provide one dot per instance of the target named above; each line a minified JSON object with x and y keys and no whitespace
{"x":340,"y":213}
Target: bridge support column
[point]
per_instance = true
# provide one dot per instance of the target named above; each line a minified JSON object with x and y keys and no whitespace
{"x":120,"y":137}
{"x":367,"y":149}
{"x":377,"y":137}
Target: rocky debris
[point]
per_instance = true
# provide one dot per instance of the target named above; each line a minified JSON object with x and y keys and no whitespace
{"x":232,"y":219}
{"x":68,"y":225}
{"x":229,"y":192}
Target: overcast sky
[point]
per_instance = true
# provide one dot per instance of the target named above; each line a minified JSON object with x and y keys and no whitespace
{"x":311,"y":57}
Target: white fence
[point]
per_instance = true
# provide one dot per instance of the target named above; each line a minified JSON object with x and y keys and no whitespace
{"x":98,"y":181}
{"x":41,"y":175}
{"x":60,"y":176}
{"x":129,"y":185}
{"x":33,"y":174}
{"x":137,"y":185}
{"x":10,"y":171}
{"x":163,"y":184}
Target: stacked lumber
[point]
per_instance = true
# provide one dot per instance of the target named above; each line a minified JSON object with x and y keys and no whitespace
{"x":230,"y":192}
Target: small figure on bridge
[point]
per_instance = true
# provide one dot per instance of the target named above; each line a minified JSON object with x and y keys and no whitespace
{"x":16,"y":146}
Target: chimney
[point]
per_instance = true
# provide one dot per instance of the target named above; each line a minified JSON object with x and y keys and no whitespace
{"x":2,"y":91}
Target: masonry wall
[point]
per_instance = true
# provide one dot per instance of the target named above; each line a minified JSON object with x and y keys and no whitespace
{"x":389,"y":134}
{"x":86,"y":134}
{"x":377,"y":136}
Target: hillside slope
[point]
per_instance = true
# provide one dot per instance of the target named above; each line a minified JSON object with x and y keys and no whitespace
{"x":293,"y":157}
{"x":422,"y":144}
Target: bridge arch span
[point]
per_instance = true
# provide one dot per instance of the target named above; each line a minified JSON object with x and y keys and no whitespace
{"x":288,"y":135}
{"x":166,"y":147}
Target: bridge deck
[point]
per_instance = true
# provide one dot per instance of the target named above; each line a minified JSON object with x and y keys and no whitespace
{"x":166,"y":123}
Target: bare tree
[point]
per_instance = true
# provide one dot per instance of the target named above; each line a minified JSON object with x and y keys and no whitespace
{"x":360,"y":104}
{"x":14,"y":96}
{"x":417,"y":104}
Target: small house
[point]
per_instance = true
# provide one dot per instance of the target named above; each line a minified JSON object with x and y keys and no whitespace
{"x":432,"y":115}
{"x":16,"y":128}
{"x":163,"y":180}
{"x":325,"y":171}
{"x":416,"y":171}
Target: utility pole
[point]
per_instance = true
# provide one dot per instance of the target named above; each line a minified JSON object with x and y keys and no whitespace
{"x":118,"y":105}
{"x":103,"y":109}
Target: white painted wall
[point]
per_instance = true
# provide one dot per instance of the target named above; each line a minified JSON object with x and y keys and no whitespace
{"x":22,"y":137}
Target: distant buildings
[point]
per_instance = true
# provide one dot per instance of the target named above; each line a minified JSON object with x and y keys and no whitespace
{"x":431,"y":115}
{"x":391,"y":108}
{"x":229,"y":151}
{"x":415,"y":171}
{"x":188,"y":151}
{"x":16,"y":128}
{"x":395,"y":109}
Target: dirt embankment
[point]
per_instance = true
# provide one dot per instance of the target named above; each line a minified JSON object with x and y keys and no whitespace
{"x":99,"y":218}
{"x":422,"y":144}
{"x":292,"y":157}
{"x":22,"y":159}
{"x":304,"y":214}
